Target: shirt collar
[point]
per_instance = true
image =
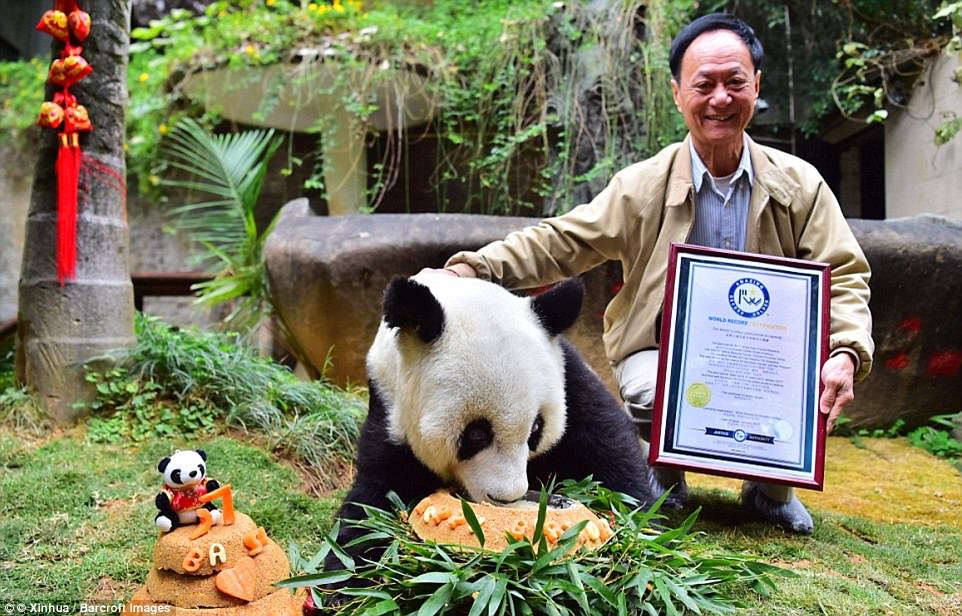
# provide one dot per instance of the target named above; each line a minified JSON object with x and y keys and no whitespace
{"x":698,"y":168}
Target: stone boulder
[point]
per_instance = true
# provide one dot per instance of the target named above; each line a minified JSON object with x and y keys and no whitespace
{"x":916,"y":302}
{"x":327,"y":276}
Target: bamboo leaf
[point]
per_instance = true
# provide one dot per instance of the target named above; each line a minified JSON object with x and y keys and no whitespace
{"x":472,"y":521}
{"x":436,"y":601}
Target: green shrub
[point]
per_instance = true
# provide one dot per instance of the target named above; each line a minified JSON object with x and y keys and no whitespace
{"x":177,"y":383}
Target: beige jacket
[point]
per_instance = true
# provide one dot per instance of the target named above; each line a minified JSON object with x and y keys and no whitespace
{"x":648,"y":205}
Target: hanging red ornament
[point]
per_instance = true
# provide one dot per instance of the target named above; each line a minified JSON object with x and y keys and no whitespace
{"x":68,"y":24}
{"x":79,"y":25}
{"x":66,"y":6}
{"x":51,"y":115}
{"x":54,"y":23}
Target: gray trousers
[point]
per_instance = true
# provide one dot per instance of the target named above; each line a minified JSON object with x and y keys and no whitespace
{"x":637,"y":377}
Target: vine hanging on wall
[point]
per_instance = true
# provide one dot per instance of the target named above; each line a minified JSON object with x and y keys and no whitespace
{"x":71,"y":26}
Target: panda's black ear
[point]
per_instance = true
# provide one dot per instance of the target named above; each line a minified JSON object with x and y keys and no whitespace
{"x":202,"y":454}
{"x":558,"y":307}
{"x":163,"y":465}
{"x":412,"y":307}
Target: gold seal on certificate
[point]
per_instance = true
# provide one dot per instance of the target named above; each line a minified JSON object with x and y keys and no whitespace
{"x":743,"y":340}
{"x":698,"y":394}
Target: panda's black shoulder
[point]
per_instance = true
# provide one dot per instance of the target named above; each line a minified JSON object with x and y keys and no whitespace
{"x":583,"y":388}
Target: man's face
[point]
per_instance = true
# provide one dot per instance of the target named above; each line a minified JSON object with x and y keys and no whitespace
{"x":718,"y":89}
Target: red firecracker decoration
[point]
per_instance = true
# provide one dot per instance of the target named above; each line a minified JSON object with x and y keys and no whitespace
{"x":69,"y":25}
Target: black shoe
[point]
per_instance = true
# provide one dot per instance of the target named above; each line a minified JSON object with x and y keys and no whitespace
{"x":791,"y":516}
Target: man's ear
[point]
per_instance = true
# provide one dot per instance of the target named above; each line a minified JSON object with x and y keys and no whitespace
{"x":758,"y":83}
{"x":675,"y":93}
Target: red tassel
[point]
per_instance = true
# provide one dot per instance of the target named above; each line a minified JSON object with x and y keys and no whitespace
{"x":68,"y":173}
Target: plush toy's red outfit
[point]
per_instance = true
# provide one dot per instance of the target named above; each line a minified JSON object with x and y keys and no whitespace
{"x":186,"y":499}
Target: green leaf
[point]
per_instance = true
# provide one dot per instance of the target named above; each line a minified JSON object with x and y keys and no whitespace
{"x":497,"y":596}
{"x":435,"y":577}
{"x":472,"y":521}
{"x":599,"y":587}
{"x":485,"y":592}
{"x":386,"y":606}
{"x":317,"y":579}
{"x":436,"y":601}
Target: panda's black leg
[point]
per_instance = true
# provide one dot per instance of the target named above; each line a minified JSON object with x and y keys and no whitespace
{"x":166,"y":510}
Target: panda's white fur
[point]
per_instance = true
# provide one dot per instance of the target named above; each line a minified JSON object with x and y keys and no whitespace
{"x":184,"y":468}
{"x":493,"y":360}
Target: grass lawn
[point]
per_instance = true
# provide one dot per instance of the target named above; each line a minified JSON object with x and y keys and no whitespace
{"x":76,"y":523}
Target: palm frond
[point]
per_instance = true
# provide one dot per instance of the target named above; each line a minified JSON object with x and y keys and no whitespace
{"x":228,"y":170}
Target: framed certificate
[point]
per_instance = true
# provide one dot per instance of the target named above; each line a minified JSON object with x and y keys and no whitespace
{"x":743,"y":340}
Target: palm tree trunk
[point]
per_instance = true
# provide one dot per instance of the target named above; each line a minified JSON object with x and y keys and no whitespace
{"x":63,"y":328}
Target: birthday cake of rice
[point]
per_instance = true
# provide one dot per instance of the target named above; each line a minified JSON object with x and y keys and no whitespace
{"x":439,"y":518}
{"x":210,"y":561}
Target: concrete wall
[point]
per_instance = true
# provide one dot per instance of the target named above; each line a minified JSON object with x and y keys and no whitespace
{"x":16,"y":181}
{"x":920,"y":176}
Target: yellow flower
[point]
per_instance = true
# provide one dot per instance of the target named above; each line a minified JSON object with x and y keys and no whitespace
{"x":250,"y":49}
{"x":270,"y":2}
{"x":143,"y":77}
{"x":154,"y":180}
{"x":311,"y":7}
{"x":162,"y":129}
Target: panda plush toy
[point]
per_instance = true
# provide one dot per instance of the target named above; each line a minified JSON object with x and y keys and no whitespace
{"x":185,"y":481}
{"x":472,"y":387}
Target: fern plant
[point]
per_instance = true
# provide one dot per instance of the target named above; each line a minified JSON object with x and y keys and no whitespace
{"x":228,"y":171}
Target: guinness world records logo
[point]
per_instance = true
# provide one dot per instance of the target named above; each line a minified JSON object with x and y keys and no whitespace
{"x":748,"y":297}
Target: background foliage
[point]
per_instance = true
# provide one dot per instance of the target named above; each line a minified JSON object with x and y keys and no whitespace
{"x":186,"y":384}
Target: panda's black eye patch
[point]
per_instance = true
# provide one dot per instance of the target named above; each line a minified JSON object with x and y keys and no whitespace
{"x":475,"y":437}
{"x":536,"y":429}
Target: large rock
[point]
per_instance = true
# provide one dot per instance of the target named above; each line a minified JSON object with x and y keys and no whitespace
{"x":916,"y":302}
{"x":327,"y":276}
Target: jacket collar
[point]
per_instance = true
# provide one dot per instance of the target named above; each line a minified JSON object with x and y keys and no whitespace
{"x":777,"y":184}
{"x":768,"y":177}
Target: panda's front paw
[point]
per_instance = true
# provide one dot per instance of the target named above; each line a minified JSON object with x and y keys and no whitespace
{"x":216,"y":517}
{"x":163,"y":523}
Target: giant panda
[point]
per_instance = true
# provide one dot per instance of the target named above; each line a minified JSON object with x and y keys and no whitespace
{"x":472,"y":387}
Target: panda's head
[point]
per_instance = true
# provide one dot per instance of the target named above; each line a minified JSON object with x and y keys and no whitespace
{"x":183,"y":468}
{"x":472,"y":377}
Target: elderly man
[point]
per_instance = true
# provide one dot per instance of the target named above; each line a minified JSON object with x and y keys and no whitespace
{"x":717,"y":188}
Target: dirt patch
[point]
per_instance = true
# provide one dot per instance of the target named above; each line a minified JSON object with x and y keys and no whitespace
{"x":887,"y":480}
{"x":108,"y":589}
{"x":949,"y":605}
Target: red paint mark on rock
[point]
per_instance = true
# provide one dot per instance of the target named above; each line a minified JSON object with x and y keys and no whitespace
{"x":911,"y":326}
{"x":898,"y":362}
{"x":615,"y":288}
{"x":945,"y":364}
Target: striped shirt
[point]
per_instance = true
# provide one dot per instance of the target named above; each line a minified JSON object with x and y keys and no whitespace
{"x":721,"y":218}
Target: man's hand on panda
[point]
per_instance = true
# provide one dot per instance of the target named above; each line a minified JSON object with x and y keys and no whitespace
{"x":461,"y":270}
{"x":838,"y":377}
